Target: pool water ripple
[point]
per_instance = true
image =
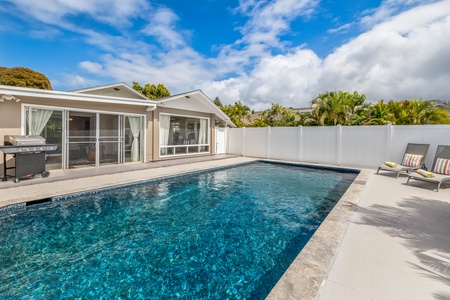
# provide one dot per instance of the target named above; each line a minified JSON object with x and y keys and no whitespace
{"x":228,"y":234}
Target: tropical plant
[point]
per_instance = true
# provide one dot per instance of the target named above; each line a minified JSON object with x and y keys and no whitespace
{"x":277,"y":115}
{"x":152,"y":91}
{"x":217,"y":102}
{"x":237,"y":112}
{"x":333,"y":108}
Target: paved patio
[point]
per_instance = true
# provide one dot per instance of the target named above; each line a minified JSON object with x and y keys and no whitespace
{"x":396,"y":244}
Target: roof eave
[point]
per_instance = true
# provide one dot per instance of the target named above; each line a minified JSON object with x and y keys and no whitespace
{"x":71,"y":96}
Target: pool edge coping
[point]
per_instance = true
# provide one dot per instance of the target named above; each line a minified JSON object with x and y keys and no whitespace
{"x":307,"y":273}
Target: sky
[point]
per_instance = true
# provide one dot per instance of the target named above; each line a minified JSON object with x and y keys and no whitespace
{"x":258,"y":52}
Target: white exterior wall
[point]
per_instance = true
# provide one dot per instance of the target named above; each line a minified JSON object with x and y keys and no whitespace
{"x":363,"y":146}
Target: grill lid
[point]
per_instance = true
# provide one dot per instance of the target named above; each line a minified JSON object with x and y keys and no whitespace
{"x":23,"y":140}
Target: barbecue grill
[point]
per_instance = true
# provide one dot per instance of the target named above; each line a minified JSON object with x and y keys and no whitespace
{"x":29,"y":153}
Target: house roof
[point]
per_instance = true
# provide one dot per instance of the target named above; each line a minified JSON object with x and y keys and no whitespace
{"x":195,"y":101}
{"x":75,"y":96}
{"x":121,"y":93}
{"x":120,"y":89}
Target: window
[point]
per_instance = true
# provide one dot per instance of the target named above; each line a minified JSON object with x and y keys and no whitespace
{"x":180,"y":135}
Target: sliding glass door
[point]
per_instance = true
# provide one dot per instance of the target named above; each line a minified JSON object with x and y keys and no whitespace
{"x":87,"y":138}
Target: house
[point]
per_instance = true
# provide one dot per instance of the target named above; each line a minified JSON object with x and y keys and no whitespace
{"x":112,"y":124}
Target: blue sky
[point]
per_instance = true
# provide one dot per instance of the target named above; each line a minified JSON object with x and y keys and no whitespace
{"x":259,"y":52}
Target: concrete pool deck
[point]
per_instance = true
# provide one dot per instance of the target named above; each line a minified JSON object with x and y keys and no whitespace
{"x":384,"y":240}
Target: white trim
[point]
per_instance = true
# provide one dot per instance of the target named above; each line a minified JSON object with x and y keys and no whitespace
{"x":71,"y":96}
{"x":193,"y":145}
{"x":181,"y":115}
{"x":203,"y":99}
{"x":113,"y":85}
{"x":79,"y":109}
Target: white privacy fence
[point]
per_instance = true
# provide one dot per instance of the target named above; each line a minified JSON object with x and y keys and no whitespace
{"x":364,"y":146}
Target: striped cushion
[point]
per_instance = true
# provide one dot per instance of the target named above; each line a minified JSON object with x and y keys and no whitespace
{"x":442,"y":166}
{"x":412,"y":160}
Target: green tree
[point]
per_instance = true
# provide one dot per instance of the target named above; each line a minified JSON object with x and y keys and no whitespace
{"x":275,"y":116}
{"x":24,"y":77}
{"x":237,"y":112}
{"x":419,"y":112}
{"x":333,"y":108}
{"x":152,"y":91}
{"x":217,"y":102}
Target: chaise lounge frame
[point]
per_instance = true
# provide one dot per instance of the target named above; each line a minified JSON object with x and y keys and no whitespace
{"x":411,"y":148}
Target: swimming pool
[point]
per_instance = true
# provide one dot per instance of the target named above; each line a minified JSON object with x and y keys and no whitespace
{"x":224,"y":234}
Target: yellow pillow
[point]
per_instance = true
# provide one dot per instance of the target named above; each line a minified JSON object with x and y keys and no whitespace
{"x":425,"y":173}
{"x":390,"y":164}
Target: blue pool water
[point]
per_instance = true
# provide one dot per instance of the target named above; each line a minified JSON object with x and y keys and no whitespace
{"x":226,"y":234}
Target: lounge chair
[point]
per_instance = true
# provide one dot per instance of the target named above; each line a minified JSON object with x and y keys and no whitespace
{"x":440,"y":171}
{"x":413,"y":159}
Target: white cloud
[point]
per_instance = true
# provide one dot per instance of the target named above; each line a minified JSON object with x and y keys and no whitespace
{"x":285,"y":79}
{"x":407,"y":56}
{"x":91,"y":67}
{"x":113,"y":12}
{"x":162,"y":27}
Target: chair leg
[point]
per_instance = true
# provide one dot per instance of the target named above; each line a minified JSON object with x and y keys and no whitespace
{"x":398,"y":174}
{"x":378,"y":170}
{"x":407,"y":181}
{"x":439,"y":185}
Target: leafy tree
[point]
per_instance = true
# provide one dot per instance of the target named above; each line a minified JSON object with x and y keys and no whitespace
{"x":24,"y":77}
{"x":152,"y":91}
{"x":277,"y":115}
{"x":217,"y":102}
{"x":418,"y":112}
{"x":237,"y":112}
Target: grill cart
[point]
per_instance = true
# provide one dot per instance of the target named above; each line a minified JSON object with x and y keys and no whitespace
{"x":29,"y":153}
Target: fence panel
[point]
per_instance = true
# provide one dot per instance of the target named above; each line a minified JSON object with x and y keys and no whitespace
{"x":235,"y":141}
{"x":319,"y":144}
{"x":284,"y":143}
{"x":256,"y":142}
{"x":364,"y":146}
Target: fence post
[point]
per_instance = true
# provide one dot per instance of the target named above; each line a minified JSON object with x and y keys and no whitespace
{"x":389,"y":133}
{"x":243,"y":141}
{"x":268,"y":143}
{"x":338,"y":144}
{"x":227,"y":137}
{"x":300,"y":143}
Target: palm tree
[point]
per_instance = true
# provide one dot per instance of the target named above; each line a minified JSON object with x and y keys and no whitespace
{"x":332,"y":108}
{"x":417,"y":112}
{"x":237,"y":113}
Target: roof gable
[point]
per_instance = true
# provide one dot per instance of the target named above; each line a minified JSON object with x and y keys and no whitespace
{"x":119,"y":90}
{"x":195,"y":101}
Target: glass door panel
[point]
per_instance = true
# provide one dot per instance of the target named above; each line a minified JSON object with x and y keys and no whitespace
{"x":48,"y":124}
{"x":132,"y":139}
{"x":81,"y":139}
{"x":110,"y":140}
{"x":53,"y":133}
